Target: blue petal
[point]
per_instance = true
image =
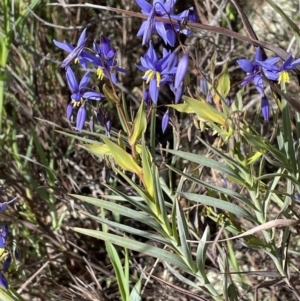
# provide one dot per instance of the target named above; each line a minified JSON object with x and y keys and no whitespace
{"x":84,"y":81}
{"x":148,"y":28}
{"x":119,"y":69}
{"x":265,"y":108}
{"x":258,"y":55}
{"x":173,"y":60}
{"x":83,"y":62}
{"x":181,"y":70}
{"x":105,"y":46}
{"x":178,"y":93}
{"x":65,"y":46}
{"x":153,"y":90}
{"x":294,"y":64}
{"x":76,"y":97}
{"x":248,"y":79}
{"x":72,"y":81}
{"x":271,"y":75}
{"x":73,"y":55}
{"x":6,"y":263}
{"x":165,"y":121}
{"x":4,"y":234}
{"x":142,"y":29}
{"x":203,"y":86}
{"x":171,"y":37}
{"x":92,"y":95}
{"x":3,"y":281}
{"x":81,"y":117}
{"x":269,"y":66}
{"x":151,"y":54}
{"x":142,"y":68}
{"x":82,"y":38}
{"x":246,"y":65}
{"x":69,"y":110}
{"x":272,"y":60}
{"x":144,"y":5}
{"x":259,"y":84}
{"x":287,"y":62}
{"x":161,"y":30}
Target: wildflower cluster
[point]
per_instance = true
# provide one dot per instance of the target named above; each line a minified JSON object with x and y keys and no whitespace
{"x":258,"y":68}
{"x":167,"y":70}
{"x":102,"y":57}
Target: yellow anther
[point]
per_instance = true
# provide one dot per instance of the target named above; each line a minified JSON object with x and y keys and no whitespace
{"x":76,"y":61}
{"x":158,"y":78}
{"x":150,"y":74}
{"x":100,"y":73}
{"x":284,"y":77}
{"x":77,"y":103}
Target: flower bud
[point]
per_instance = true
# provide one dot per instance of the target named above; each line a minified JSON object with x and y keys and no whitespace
{"x":165,"y":121}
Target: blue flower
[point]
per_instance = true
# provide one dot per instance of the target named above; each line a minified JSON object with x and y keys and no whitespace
{"x":79,"y":90}
{"x":76,"y":53}
{"x":281,"y":72}
{"x":158,"y":72}
{"x":160,"y":8}
{"x":104,"y":60}
{"x":165,"y":121}
{"x":253,"y":70}
{"x":179,"y":76}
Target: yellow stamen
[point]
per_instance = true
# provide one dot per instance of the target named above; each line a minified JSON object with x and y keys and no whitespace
{"x":100,"y":73}
{"x":158,"y":78}
{"x":284,"y":77}
{"x":76,"y":61}
{"x":77,"y":103}
{"x":150,"y":74}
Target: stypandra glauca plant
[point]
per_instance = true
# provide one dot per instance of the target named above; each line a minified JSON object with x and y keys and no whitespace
{"x":249,"y":204}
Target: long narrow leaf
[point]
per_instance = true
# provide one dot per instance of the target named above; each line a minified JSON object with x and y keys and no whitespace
{"x":206,"y":200}
{"x":137,"y":246}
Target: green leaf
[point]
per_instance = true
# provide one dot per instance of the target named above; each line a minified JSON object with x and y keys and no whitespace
{"x":137,"y":246}
{"x":201,"y":257}
{"x":219,"y":189}
{"x":184,"y":237}
{"x":110,"y":95}
{"x":223,"y":86}
{"x":118,"y":268}
{"x":147,"y":172}
{"x":223,"y":205}
{"x":182,"y":108}
{"x":201,"y":252}
{"x":160,"y":204}
{"x":142,"y":217}
{"x":135,"y":294}
{"x":205,"y":111}
{"x":139,"y":125}
{"x":122,"y":158}
{"x":148,"y":235}
{"x":10,"y":295}
{"x":202,"y":160}
{"x":97,"y":149}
